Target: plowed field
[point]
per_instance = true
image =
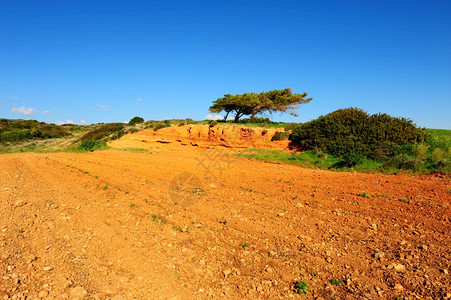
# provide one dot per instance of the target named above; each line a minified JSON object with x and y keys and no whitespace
{"x":186,"y":222}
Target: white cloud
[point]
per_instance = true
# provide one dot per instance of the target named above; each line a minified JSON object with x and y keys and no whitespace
{"x":47,"y":112}
{"x":139,"y":99}
{"x":62,"y":123}
{"x":213,"y":117}
{"x":13,"y":97}
{"x":24,"y":111}
{"x":101,"y":107}
{"x":82,"y":122}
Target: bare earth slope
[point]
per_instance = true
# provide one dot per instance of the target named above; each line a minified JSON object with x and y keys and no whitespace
{"x":202,"y":136}
{"x":122,"y":225}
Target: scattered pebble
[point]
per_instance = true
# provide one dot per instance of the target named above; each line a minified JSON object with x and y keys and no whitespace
{"x":43,"y":294}
{"x":78,"y":293}
{"x":423,"y":247}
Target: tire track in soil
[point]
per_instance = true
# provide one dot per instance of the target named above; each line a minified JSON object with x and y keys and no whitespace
{"x":298,"y":224}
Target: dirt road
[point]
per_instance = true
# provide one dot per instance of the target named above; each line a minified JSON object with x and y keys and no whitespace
{"x":110,"y":225}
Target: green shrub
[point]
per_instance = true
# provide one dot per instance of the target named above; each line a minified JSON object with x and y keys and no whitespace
{"x":132,"y":130}
{"x":352,"y":159}
{"x":213,"y":123}
{"x":439,"y":138}
{"x":420,"y":151}
{"x":442,"y":164}
{"x":103,"y":132}
{"x":256,"y":120}
{"x":280,"y":136}
{"x":189,"y":121}
{"x":12,"y":131}
{"x":353,"y":130}
{"x":437,"y":155}
{"x":335,"y":281}
{"x":118,"y":134}
{"x":402,"y":161}
{"x":159,"y":126}
{"x":90,"y":145}
{"x":321,"y":154}
{"x":408,"y":149}
{"x":411,"y":164}
{"x":301,"y":287}
{"x":135,"y":120}
{"x":291,"y":126}
{"x":395,"y":162}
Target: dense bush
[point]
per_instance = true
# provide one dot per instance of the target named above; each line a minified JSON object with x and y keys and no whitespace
{"x":21,"y":130}
{"x":291,"y":126}
{"x":256,"y":120}
{"x":188,"y":122}
{"x":105,"y":131}
{"x":159,"y":126}
{"x":353,"y":130}
{"x":135,"y":120}
{"x":213,"y":123}
{"x":402,"y":161}
{"x":90,"y":145}
{"x":118,"y":134}
{"x":420,"y":151}
{"x":442,"y":164}
{"x":352,"y":159}
{"x":280,"y":136}
{"x":411,"y":164}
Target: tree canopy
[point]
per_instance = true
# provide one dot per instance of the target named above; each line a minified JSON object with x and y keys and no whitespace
{"x":254,"y":103}
{"x":135,"y":120}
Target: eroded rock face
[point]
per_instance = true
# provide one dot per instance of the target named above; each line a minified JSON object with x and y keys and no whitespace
{"x":204,"y":136}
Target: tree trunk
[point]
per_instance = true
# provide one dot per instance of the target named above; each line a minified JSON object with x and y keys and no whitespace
{"x":227,"y":114}
{"x":238,"y":116}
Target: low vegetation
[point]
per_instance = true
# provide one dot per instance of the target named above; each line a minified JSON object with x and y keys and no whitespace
{"x":352,"y":130}
{"x":105,"y":132}
{"x":346,"y":139}
{"x":335,"y":281}
{"x":90,"y":145}
{"x":301,"y":287}
{"x":366,"y":142}
{"x":280,"y":136}
{"x":13,"y":131}
{"x":135,"y":120}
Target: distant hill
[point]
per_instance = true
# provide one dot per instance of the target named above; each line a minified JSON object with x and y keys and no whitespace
{"x":20,"y":130}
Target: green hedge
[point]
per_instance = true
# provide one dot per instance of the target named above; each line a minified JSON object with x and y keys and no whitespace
{"x":352,"y":130}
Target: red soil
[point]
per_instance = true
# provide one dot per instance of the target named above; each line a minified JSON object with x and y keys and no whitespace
{"x":122,"y":225}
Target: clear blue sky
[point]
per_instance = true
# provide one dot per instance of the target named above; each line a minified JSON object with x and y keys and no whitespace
{"x":107,"y":61}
